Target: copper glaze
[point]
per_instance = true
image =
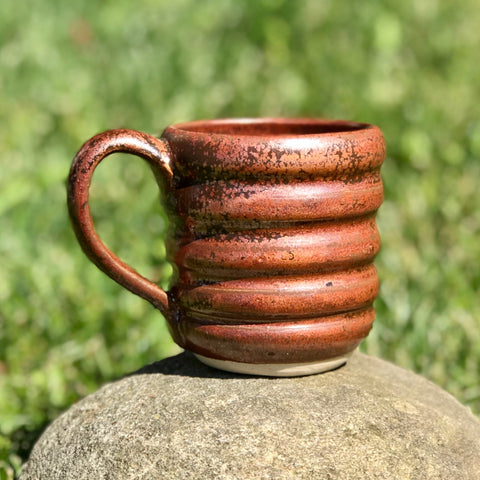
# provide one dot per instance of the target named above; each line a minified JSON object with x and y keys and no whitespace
{"x":275,"y":233}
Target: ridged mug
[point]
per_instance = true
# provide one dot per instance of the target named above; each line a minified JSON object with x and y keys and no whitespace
{"x":274,"y":237}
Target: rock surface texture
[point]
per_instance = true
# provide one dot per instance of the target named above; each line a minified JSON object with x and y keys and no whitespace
{"x":179,"y":419}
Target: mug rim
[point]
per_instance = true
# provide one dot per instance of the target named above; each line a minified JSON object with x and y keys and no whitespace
{"x":269,"y":127}
{"x":202,"y":152}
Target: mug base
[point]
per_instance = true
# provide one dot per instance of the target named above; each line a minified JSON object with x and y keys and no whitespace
{"x":276,"y":369}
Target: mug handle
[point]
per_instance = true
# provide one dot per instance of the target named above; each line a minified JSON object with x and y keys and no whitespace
{"x":157,"y":153}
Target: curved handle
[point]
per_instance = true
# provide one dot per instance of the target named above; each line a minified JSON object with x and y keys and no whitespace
{"x":157,"y":153}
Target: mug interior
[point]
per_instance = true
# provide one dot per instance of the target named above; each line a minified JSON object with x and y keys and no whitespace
{"x":278,"y":127}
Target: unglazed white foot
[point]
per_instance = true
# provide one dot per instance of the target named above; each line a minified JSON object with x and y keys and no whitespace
{"x":276,"y":369}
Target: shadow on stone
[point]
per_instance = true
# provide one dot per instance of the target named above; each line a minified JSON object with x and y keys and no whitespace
{"x":186,"y":364}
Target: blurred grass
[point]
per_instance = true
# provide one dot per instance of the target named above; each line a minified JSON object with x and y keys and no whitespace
{"x":72,"y":69}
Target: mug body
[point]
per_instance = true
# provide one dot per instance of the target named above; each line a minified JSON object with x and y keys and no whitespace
{"x":275,"y":241}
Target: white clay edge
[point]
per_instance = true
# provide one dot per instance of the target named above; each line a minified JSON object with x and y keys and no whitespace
{"x":276,"y":369}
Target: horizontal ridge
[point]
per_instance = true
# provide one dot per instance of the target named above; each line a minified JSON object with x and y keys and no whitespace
{"x":311,"y":249}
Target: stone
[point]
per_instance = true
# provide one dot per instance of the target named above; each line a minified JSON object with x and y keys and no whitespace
{"x":180,"y":419}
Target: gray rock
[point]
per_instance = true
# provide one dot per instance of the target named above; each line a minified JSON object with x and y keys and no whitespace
{"x":178,"y":419}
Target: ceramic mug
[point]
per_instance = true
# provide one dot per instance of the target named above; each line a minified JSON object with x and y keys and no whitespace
{"x":274,"y":237}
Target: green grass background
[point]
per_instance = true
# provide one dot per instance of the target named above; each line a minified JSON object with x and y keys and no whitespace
{"x":69,"y":70}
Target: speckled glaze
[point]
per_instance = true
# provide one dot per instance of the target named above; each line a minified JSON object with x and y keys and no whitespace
{"x":274,"y":236}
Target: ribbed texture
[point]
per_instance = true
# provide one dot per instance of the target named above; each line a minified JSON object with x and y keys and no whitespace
{"x":275,"y":233}
{"x":278,"y":237}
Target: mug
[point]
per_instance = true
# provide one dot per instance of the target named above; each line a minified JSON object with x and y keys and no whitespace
{"x":274,"y":237}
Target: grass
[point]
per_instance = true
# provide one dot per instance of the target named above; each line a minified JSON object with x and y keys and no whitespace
{"x":70,"y":70}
